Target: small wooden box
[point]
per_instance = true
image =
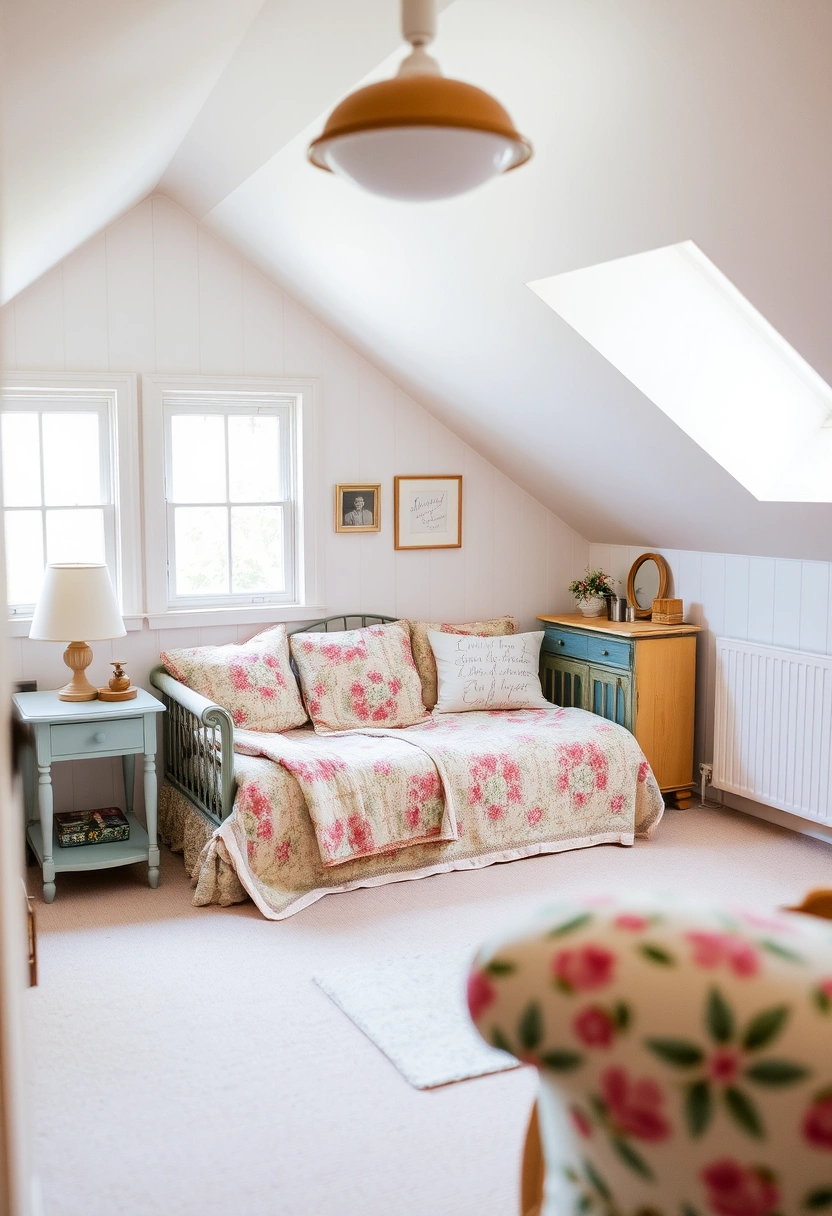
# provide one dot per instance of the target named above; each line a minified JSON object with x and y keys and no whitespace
{"x":668,"y":612}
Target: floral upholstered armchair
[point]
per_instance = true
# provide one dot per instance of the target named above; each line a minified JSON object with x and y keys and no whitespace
{"x":684,"y":1053}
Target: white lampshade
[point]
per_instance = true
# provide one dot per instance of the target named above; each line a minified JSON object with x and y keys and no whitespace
{"x":76,"y":604}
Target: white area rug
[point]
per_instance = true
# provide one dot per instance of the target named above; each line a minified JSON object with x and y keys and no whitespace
{"x":413,"y":1008}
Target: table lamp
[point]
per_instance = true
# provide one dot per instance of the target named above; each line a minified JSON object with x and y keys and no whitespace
{"x":77,"y":601}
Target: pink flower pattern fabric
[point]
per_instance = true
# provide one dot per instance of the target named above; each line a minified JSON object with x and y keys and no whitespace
{"x":359,"y":678}
{"x":275,"y":848}
{"x":253,"y":681}
{"x":740,"y":1190}
{"x":688,"y":1047}
{"x":366,"y":796}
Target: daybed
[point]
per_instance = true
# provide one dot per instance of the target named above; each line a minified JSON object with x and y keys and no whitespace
{"x":524,"y":782}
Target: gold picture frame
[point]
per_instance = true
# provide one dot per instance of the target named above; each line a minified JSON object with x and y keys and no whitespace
{"x":427,"y":512}
{"x":348,"y":512}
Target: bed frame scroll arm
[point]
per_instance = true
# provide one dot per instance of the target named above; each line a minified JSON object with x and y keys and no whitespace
{"x":198,"y":747}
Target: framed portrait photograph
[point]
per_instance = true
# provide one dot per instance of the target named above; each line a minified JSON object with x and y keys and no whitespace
{"x":357,"y":508}
{"x":428,"y":512}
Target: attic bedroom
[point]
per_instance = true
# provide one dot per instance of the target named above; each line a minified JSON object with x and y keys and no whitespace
{"x":417,"y":685}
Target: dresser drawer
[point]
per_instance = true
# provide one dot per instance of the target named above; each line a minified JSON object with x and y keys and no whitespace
{"x":608,"y":651}
{"x":561,"y":641}
{"x":87,"y":738}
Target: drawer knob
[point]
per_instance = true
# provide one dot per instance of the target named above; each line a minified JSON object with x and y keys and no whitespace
{"x":561,"y":642}
{"x":604,"y":652}
{"x":100,"y":737}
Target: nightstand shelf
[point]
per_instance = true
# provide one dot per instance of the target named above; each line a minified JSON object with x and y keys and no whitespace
{"x":92,"y":856}
{"x":81,"y":730}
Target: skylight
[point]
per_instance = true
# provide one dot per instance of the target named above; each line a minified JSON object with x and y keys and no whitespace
{"x":672,"y":323}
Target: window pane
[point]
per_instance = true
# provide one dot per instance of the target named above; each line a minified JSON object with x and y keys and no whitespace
{"x":257,"y":549}
{"x":198,"y":457}
{"x":253,"y":458}
{"x":24,"y":556}
{"x":71,"y":459}
{"x":75,"y":536}
{"x":21,"y":460}
{"x":201,"y":550}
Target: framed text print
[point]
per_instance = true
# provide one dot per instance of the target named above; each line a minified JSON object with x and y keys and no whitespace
{"x":428,"y":512}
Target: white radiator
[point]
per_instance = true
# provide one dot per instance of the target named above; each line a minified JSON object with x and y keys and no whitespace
{"x":773,"y":729}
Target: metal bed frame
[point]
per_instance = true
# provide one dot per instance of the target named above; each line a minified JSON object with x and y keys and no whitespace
{"x":198,"y":736}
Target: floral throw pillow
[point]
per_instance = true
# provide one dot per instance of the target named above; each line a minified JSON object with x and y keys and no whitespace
{"x":361,"y":677}
{"x":253,"y":681}
{"x":423,"y":655}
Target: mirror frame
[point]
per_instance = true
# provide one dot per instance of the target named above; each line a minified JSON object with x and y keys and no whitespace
{"x":664,"y":580}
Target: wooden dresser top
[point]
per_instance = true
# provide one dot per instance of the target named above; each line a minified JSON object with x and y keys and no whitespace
{"x":626,"y":629}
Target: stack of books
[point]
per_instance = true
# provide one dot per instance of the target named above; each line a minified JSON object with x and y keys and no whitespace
{"x":91,"y":827}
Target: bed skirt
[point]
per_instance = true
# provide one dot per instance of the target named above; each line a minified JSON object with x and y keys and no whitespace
{"x":219,"y":877}
{"x":184,"y":830}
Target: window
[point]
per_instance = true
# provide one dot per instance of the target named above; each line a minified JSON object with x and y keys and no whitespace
{"x":675,"y":326}
{"x":232,"y":532}
{"x":62,"y":491}
{"x":230,"y":502}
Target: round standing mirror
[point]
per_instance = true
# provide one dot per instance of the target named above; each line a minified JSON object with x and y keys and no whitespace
{"x":648,"y":581}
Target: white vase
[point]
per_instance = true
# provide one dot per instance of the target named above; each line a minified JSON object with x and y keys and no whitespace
{"x":595,"y":606}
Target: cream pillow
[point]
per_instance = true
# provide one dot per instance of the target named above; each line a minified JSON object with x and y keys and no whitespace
{"x":361,"y":677}
{"x":423,"y":655}
{"x":253,"y":681}
{"x":488,"y":673}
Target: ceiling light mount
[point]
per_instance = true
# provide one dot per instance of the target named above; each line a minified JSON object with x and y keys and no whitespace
{"x":419,"y":29}
{"x":419,"y":136}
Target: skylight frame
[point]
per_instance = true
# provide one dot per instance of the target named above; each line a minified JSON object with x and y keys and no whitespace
{"x":674,"y":324}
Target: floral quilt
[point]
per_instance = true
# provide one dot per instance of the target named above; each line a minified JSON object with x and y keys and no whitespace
{"x":520,"y":783}
{"x":366,"y":796}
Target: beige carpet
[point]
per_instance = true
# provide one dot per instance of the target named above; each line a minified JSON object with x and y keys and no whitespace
{"x":187,"y":1065}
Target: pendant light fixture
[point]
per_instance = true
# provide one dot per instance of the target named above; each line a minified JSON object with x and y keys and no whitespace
{"x":419,"y":136}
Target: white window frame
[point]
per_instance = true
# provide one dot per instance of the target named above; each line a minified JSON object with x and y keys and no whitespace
{"x":115,"y":397}
{"x":162,"y":396}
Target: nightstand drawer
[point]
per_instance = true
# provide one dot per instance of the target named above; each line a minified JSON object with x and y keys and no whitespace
{"x":561,"y":641}
{"x":87,"y":738}
{"x":608,"y":651}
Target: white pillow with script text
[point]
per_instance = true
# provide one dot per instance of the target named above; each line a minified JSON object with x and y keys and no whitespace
{"x":488,"y":673}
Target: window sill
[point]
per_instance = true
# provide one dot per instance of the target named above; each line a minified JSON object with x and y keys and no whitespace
{"x":19,"y":626}
{"x":267,"y":614}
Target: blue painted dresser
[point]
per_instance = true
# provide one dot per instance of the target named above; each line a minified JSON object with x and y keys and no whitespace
{"x":635,"y":673}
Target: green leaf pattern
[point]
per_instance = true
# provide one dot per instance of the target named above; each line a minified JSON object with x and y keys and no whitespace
{"x":723,"y":1071}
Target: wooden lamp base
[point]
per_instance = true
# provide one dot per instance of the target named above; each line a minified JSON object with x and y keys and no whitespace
{"x":78,"y":656}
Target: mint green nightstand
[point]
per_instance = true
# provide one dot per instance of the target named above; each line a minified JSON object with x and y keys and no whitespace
{"x":78,"y":730}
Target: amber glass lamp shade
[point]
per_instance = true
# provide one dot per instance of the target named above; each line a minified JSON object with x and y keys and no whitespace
{"x":419,"y":137}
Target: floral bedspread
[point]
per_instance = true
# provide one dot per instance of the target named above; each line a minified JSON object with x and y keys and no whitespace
{"x":522,"y":783}
{"x":521,"y":766}
{"x":366,"y":795}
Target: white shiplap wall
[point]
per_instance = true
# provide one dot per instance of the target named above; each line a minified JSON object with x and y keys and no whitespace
{"x":776,"y":601}
{"x":158,"y":292}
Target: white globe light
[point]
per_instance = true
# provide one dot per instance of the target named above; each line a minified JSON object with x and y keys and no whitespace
{"x":419,"y":136}
{"x":416,"y":164}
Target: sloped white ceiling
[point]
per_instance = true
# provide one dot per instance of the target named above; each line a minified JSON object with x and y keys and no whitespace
{"x":654,"y":122}
{"x":297,"y":58}
{"x":97,"y":96}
